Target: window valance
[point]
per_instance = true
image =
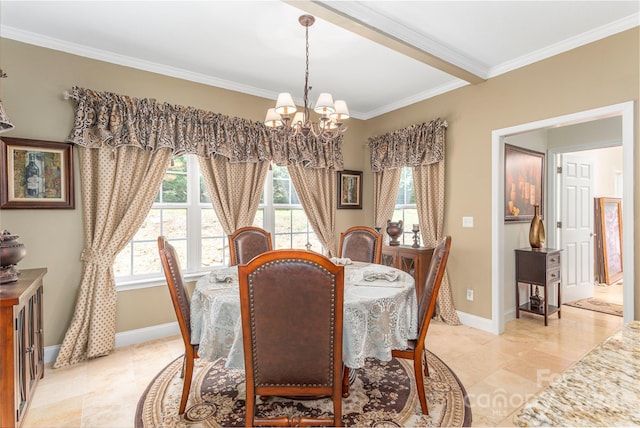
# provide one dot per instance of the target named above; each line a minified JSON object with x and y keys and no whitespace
{"x":421,"y":144}
{"x":105,"y":118}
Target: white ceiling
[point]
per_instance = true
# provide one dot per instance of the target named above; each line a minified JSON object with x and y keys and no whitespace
{"x":257,"y":47}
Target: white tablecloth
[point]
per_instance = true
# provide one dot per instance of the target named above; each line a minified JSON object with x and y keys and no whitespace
{"x":379,"y":316}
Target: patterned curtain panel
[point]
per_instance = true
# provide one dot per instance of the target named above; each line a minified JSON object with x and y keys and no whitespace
{"x":316,"y":189}
{"x":422,"y":148}
{"x":421,"y":144}
{"x":118,"y":189}
{"x":384,"y":201}
{"x":235,"y":189}
{"x":105,"y":118}
{"x":429,"y":186}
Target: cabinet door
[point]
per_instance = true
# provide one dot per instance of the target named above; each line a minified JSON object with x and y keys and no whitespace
{"x":33,"y":339}
{"x":407,"y":263}
{"x":389,"y":257}
{"x":21,"y":366}
{"x":38,"y":326}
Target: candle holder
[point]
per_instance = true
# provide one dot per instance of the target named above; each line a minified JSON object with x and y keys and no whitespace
{"x":416,"y":238}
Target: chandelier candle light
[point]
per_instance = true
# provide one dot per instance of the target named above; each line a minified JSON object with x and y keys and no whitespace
{"x":332,"y":114}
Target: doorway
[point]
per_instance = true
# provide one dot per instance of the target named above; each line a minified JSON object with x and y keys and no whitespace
{"x":584,"y":175}
{"x":501,"y":253}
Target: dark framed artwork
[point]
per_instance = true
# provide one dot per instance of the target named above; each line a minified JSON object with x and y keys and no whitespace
{"x":523,"y":183}
{"x":349,"y":189}
{"x":36,"y":174}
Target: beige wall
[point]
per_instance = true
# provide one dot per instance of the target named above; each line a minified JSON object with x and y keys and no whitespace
{"x":602,"y":73}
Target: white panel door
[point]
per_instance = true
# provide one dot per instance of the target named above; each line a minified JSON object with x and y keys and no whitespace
{"x":577,"y":227}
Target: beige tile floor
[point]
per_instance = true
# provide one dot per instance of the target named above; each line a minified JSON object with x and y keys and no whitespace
{"x":499,"y":372}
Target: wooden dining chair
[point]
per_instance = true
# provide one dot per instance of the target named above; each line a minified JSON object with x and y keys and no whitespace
{"x":426,"y":306}
{"x":292,"y":313}
{"x":181,"y":305}
{"x":361,"y":244}
{"x":247,"y":242}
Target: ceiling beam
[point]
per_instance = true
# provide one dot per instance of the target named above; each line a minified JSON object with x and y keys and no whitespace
{"x":349,"y":23}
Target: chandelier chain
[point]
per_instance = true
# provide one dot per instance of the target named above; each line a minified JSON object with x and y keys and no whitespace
{"x":306,"y":76}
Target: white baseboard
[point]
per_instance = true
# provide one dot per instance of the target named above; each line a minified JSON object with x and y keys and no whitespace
{"x":146,"y":334}
{"x":126,"y":338}
{"x":510,"y":315}
{"x":475,"y":321}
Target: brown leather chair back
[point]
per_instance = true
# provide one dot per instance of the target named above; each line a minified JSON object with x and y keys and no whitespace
{"x":177,"y":289}
{"x":427,"y":304}
{"x":182,"y":307}
{"x":247,"y":242}
{"x":292,"y":311}
{"x":361,"y":244}
{"x":435,"y":274}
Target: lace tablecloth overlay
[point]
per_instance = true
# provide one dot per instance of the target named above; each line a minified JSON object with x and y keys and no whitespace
{"x":380,"y":314}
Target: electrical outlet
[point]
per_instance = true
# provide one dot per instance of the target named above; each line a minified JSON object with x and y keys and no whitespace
{"x":469,"y":294}
{"x":467,"y":221}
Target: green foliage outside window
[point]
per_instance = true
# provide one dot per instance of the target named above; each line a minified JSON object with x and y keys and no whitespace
{"x":406,"y":193}
{"x":283,"y":191}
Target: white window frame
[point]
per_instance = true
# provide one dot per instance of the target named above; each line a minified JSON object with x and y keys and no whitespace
{"x":269,"y":209}
{"x":406,"y":228}
{"x":193,"y":270}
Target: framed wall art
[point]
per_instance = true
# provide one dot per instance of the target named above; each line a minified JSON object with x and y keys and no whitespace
{"x":36,"y":174}
{"x":349,"y":189}
{"x":608,"y":231}
{"x":523,"y":183}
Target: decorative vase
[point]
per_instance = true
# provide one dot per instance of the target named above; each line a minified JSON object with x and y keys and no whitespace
{"x":11,"y":252}
{"x":536,"y":231}
{"x":394,"y":230}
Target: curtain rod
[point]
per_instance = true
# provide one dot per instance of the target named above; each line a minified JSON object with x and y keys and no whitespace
{"x":66,"y":95}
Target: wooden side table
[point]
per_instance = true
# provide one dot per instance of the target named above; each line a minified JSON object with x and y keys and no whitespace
{"x":414,"y":261}
{"x":538,"y":268}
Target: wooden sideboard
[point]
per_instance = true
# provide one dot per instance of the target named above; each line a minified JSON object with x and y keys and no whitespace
{"x":414,"y":261}
{"x":22,"y":353}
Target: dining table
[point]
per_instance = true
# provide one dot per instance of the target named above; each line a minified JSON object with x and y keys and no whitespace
{"x":380,"y":314}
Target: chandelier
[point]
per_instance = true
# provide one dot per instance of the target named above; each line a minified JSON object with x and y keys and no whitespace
{"x":328,"y":127}
{"x":5,"y":123}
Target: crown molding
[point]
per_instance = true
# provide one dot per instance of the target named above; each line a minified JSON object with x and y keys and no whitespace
{"x":415,"y":98}
{"x":110,"y":57}
{"x":591,"y":36}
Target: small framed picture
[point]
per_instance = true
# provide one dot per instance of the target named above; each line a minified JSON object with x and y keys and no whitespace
{"x":349,"y":189}
{"x":36,"y":174}
{"x":523,"y":183}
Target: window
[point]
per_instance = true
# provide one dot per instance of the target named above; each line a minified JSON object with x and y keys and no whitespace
{"x":406,"y":209}
{"x":183,"y":213}
{"x":283,"y":215}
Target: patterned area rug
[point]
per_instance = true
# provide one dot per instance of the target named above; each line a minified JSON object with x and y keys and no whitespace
{"x":383,"y":394}
{"x":593,"y":304}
